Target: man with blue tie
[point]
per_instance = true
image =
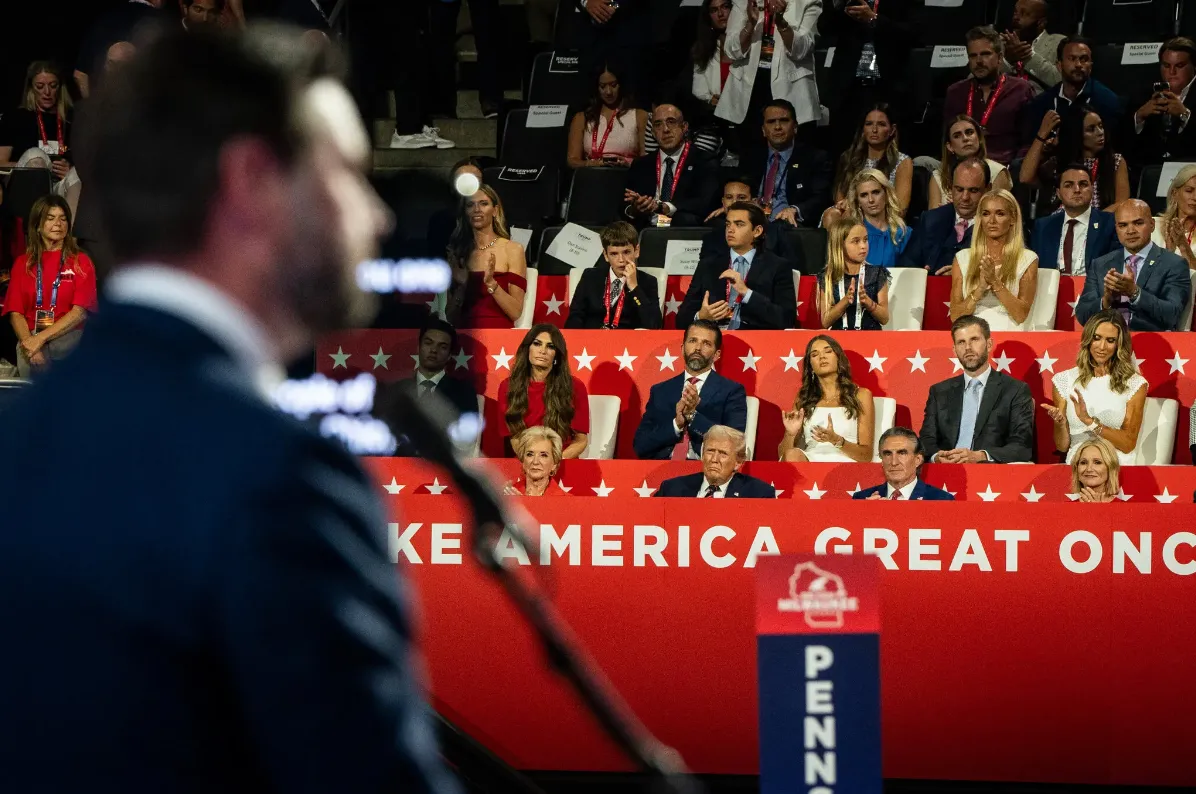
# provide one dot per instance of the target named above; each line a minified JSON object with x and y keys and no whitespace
{"x":1069,"y":240}
{"x":1149,"y":286}
{"x":901,"y":457}
{"x":753,"y":291}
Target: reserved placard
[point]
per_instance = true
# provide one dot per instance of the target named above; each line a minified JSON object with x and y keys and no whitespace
{"x":547,"y":115}
{"x":1140,"y":53}
{"x":830,"y":56}
{"x":567,"y":62}
{"x":681,"y":257}
{"x":576,"y":246}
{"x":949,"y":57}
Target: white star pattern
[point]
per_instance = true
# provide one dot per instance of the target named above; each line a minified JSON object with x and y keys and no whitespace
{"x":876,"y":361}
{"x":584,"y":360}
{"x":436,"y":489}
{"x":1073,"y":497}
{"x":461,"y":361}
{"x":1003,"y":361}
{"x":672,"y":305}
{"x":777,"y":490}
{"x":987,"y":494}
{"x":626,"y":360}
{"x":666,"y":361}
{"x":601,"y":490}
{"x":1166,"y":497}
{"x":1138,"y":362}
{"x":502,"y":360}
{"x":917,"y":363}
{"x":815,"y":492}
{"x":1033,"y":495}
{"x":749,"y":361}
{"x":380,"y":359}
{"x":552,"y":305}
{"x":565,"y":488}
{"x":414,"y":361}
{"x":944,"y":487}
{"x":340,"y":358}
{"x":1046,"y":363}
{"x":1123,"y":496}
{"x":644,"y":490}
{"x":956,"y":366}
{"x":1177,"y":364}
{"x":792,"y":362}
{"x":393,"y":487}
{"x":1072,"y":304}
{"x":857,"y":490}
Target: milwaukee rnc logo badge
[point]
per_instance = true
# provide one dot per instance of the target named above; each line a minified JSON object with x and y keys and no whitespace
{"x":819,"y":595}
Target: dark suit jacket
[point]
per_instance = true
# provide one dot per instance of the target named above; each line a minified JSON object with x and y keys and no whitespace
{"x":807,"y":179}
{"x":1047,"y":239}
{"x":776,"y":241}
{"x":773,"y":305}
{"x":932,"y":244}
{"x":724,"y":402}
{"x":921,"y":492}
{"x":641,"y":308}
{"x":1164,"y":286}
{"x":742,"y":487}
{"x":1095,"y":93}
{"x":893,"y":37}
{"x":227,"y":596}
{"x":1149,"y":147}
{"x":457,"y":397}
{"x":1004,"y":425}
{"x":697,"y":188}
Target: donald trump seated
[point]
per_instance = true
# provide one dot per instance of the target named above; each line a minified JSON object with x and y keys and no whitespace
{"x":901,"y":457}
{"x":724,"y":449}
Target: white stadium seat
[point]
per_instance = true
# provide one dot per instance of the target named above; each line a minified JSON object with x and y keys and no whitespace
{"x":1185,"y":319}
{"x":1042,"y":312}
{"x":753,"y":418}
{"x":907,"y":299}
{"x":604,"y":427}
{"x":886,"y":415}
{"x":1156,"y":439}
{"x":529,"y":300}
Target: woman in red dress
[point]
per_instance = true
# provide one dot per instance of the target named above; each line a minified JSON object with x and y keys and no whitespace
{"x":489,"y":268}
{"x":541,"y":391}
{"x":539,"y":450}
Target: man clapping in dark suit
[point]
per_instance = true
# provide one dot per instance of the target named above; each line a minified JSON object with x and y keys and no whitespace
{"x":682,"y":409}
{"x":750,"y":289}
{"x":679,"y":182}
{"x":615,"y":296}
{"x":901,"y":457}
{"x":1069,"y":240}
{"x":724,"y":450}
{"x":981,"y":416}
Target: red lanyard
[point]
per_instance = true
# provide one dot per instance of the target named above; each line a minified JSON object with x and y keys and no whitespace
{"x":596,"y":149}
{"x":992,"y":100}
{"x":41,"y":129}
{"x":676,"y":170}
{"x":768,"y":20}
{"x":619,"y":303}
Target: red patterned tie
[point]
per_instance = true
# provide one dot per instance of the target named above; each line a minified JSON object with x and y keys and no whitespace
{"x":895,"y":496}
{"x":681,"y":450}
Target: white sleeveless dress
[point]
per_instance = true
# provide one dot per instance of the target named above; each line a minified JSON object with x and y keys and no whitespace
{"x":989,"y":307}
{"x":1104,"y":405}
{"x":824,"y":451}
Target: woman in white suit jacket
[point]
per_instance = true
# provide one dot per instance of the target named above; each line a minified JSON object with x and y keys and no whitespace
{"x":792,"y":66}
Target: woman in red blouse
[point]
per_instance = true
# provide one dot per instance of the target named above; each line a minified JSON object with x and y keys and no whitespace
{"x":47,"y":319}
{"x":539,"y":450}
{"x":541,"y":391}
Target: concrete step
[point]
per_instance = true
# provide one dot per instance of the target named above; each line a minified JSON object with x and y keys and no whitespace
{"x":467,"y":133}
{"x":433,"y":159}
{"x":469,"y":105}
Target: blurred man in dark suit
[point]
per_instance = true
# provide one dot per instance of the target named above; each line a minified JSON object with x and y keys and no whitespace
{"x":724,"y":450}
{"x":1067,"y":241}
{"x":227,"y":617}
{"x":616,"y":296}
{"x":944,"y":231}
{"x":901,"y":457}
{"x":677,"y":185}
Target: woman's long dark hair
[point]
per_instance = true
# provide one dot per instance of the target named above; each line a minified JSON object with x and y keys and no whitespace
{"x":558,"y":386}
{"x":706,"y":40}
{"x":811,"y":388}
{"x":852,"y":159}
{"x":1071,"y":150}
{"x":626,"y":94}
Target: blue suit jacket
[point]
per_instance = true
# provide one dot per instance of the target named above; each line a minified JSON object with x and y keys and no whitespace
{"x":1164,"y":286}
{"x":922,"y":491}
{"x":1102,"y":98}
{"x":1047,"y":238}
{"x":932,"y":243}
{"x":195,"y":590}
{"x":742,"y":487}
{"x":724,"y":402}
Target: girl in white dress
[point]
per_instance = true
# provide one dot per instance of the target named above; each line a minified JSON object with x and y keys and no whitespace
{"x":997,"y":278}
{"x":832,"y":418}
{"x":1103,"y":395}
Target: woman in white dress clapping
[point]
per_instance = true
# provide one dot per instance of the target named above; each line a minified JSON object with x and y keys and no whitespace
{"x":832,"y":417}
{"x":1103,"y":395}
{"x":997,"y":277}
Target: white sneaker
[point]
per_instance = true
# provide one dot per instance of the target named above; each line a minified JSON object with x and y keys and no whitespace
{"x":433,"y":134}
{"x":418,"y":140}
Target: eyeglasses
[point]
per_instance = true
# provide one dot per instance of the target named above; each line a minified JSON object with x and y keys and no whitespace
{"x":661,"y":124}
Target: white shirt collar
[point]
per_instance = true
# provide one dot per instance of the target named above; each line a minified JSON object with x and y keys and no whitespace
{"x":982,"y":377}
{"x":719,"y":490}
{"x":420,"y":377}
{"x":201,"y":304}
{"x":969,"y":221}
{"x":906,"y":492}
{"x":1084,"y":217}
{"x":701,"y":378}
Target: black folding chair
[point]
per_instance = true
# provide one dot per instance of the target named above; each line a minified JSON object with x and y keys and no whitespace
{"x":1110,"y":21}
{"x":596,"y":195}
{"x":1129,"y":80}
{"x":940,"y":25}
{"x":527,"y":147}
{"x":528,"y":194}
{"x":25,"y":186}
{"x":556,"y":79}
{"x":654,"y":243}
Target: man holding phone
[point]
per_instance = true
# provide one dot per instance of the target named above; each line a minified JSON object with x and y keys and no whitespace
{"x":1160,"y":123}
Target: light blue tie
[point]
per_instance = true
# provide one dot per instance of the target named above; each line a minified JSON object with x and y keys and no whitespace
{"x":967,"y":420}
{"x":740,"y":264}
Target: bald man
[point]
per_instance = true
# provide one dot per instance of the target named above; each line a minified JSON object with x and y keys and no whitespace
{"x":1148,"y":285}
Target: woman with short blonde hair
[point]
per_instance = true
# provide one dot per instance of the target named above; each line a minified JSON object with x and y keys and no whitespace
{"x":1095,"y":472}
{"x":539,"y":450}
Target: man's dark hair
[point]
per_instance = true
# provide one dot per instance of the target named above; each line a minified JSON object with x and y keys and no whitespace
{"x":1179,"y":44}
{"x":162,"y":119}
{"x":986,"y":33}
{"x":901,"y":432}
{"x":756,"y":217}
{"x":709,"y":325}
{"x":783,"y":104}
{"x":1071,"y":167}
{"x":967,"y":321}
{"x":219,"y":4}
{"x":434,"y":323}
{"x":464,"y":163}
{"x":1070,"y":40}
{"x":740,"y":179}
{"x":970,"y":163}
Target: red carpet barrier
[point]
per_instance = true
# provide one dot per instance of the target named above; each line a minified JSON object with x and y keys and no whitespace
{"x":899,"y":364}
{"x":1040,"y":642}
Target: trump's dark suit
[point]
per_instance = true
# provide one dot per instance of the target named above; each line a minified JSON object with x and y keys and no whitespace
{"x":922,"y":492}
{"x":1047,"y":238}
{"x":932,"y":243}
{"x":1004,"y":423}
{"x":741,"y":486}
{"x":772,"y":306}
{"x":723,"y":402}
{"x":697,"y":190}
{"x":1163,"y":282}
{"x":195,"y":591}
{"x":641,"y":306}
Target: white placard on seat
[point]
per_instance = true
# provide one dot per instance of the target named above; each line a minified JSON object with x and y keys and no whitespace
{"x":521,"y":236}
{"x":1166,"y":175}
{"x":948,"y":57}
{"x":1146,"y":52}
{"x":944,"y":3}
{"x":547,"y":115}
{"x":576,"y":246}
{"x":694,"y":3}
{"x":681,"y":257}
{"x":830,"y":57}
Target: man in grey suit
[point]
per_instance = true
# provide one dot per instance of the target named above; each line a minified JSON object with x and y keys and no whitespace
{"x":981,"y":416}
{"x":1148,"y":285}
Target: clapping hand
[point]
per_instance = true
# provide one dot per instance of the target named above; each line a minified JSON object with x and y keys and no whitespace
{"x":488,"y":277}
{"x":753,"y":14}
{"x":850,"y":296}
{"x":1089,"y":495}
{"x":794,"y":422}
{"x":1015,"y":48}
{"x":867,"y":302}
{"x":1058,"y":415}
{"x":988,"y":271}
{"x":600,"y":10}
{"x":687,"y":404}
{"x":777,"y":6}
{"x":789,"y":215}
{"x":1116,"y":282}
{"x":859,"y":11}
{"x":736,"y":280}
{"x":715,"y":312}
{"x":827,"y":433}
{"x":641,"y":204}
{"x":1081,"y":408}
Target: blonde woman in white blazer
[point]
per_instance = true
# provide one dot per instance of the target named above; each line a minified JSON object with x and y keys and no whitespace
{"x":792,"y":72}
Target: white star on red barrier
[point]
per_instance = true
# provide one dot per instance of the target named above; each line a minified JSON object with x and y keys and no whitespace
{"x":672,"y":305}
{"x":601,"y":490}
{"x":436,"y":489}
{"x":749,"y":361}
{"x":393,"y":486}
{"x":626,"y":360}
{"x":380,"y":359}
{"x":644,"y":490}
{"x":584,"y":360}
{"x":502,"y":360}
{"x":1166,"y":497}
{"x":1046,"y":363}
{"x":987,"y":495}
{"x":792,"y":362}
{"x":461,"y":361}
{"x":552,"y":305}
{"x":340,"y":358}
{"x":1033,"y":495}
{"x":1003,"y":361}
{"x":876,"y":361}
{"x":917,"y":363}
{"x":815,"y":492}
{"x":1177,"y":364}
